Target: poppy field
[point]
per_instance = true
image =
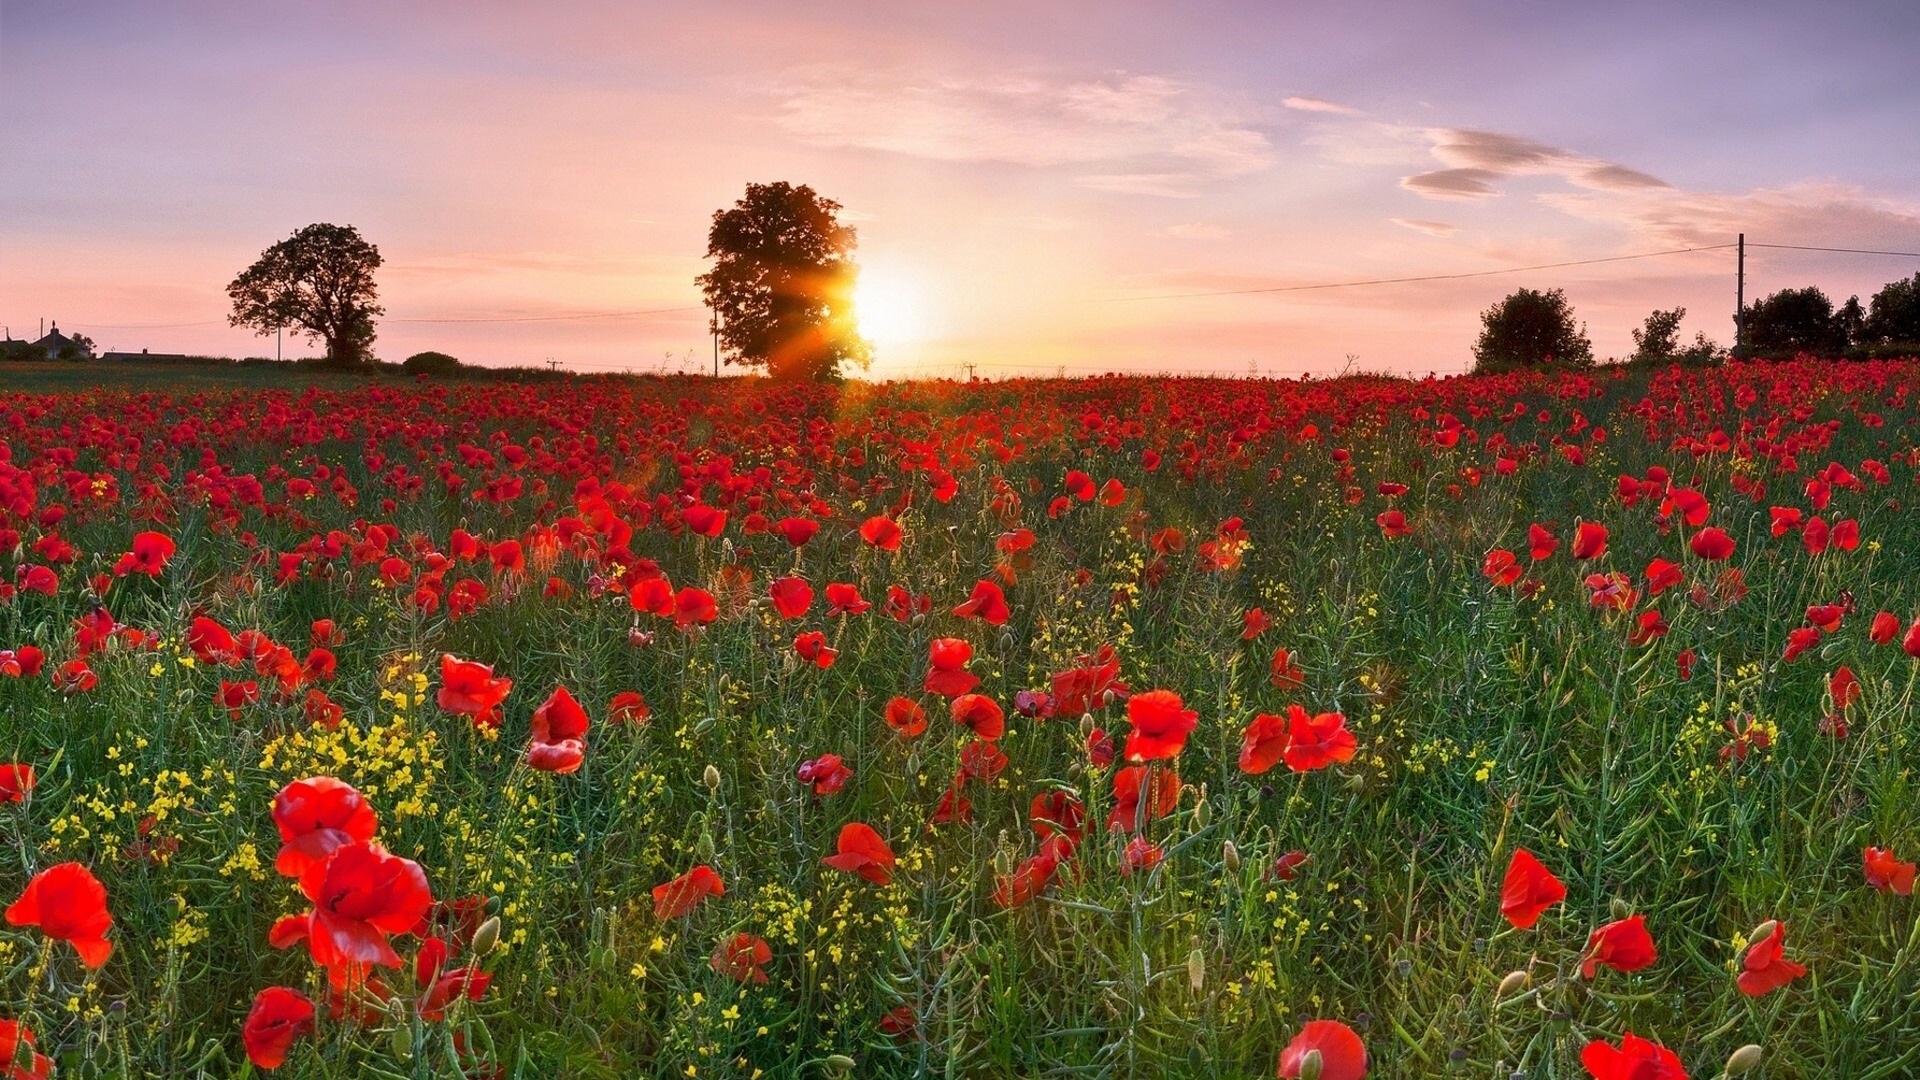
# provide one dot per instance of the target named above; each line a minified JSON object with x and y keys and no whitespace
{"x":1517,"y":727}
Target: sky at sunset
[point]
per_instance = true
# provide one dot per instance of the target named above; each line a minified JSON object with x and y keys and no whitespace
{"x":1037,"y":186}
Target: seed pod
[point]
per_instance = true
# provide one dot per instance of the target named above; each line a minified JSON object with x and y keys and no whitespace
{"x":1744,"y":1060}
{"x":839,"y":1063}
{"x":487,"y":936}
{"x":1197,"y":968}
{"x":1202,"y":813}
{"x":712,"y":779}
{"x":1620,"y":908}
{"x":401,"y":1042}
{"x":1515,"y":982}
{"x":1230,"y":857}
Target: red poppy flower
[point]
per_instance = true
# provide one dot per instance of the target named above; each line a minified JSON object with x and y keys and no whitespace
{"x":628,"y":707}
{"x":468,"y":982}
{"x":797,"y":530}
{"x":236,"y":695}
{"x":947,"y":659}
{"x":1057,"y":813}
{"x":980,"y":713}
{"x":26,"y":660}
{"x":149,"y":556}
{"x":980,"y":760}
{"x":1540,"y":542}
{"x":1160,"y":725}
{"x":1886,"y":627}
{"x":74,"y":677}
{"x":1712,"y":544}
{"x":1589,"y":540}
{"x":704,"y":520}
{"x":1287,"y":867}
{"x":1140,"y":854}
{"x":882,"y":532}
{"x":1843,"y":687}
{"x":1765,"y":967}
{"x":1027,"y":881}
{"x":1684,"y":663}
{"x":1634,"y":1059}
{"x":1133,"y":807}
{"x":861,"y":851}
{"x":653,"y":595}
{"x":792,"y":597}
{"x":1886,"y":873}
{"x":900,"y":1020}
{"x":828,"y":773}
{"x":27,"y":1065}
{"x":844,"y":599}
{"x":684,"y":893}
{"x":905,"y":716}
{"x":812,"y":647}
{"x":1663,"y":575}
{"x":361,"y":894}
{"x":986,"y":602}
{"x":742,"y":957}
{"x":1315,"y":742}
{"x":68,"y":904}
{"x":1393,"y":523}
{"x":1814,"y":535}
{"x":952,"y":807}
{"x":693,"y":607}
{"x":1529,"y":889}
{"x":1284,"y":672}
{"x":1342,"y":1055}
{"x":1262,"y":745}
{"x":1501,"y":567}
{"x":16,"y":782}
{"x":1623,"y":945}
{"x":279,"y":1016}
{"x":1080,"y":485}
{"x":903,"y":605}
{"x":1089,"y":684}
{"x":1254,"y":623}
{"x":316,"y":817}
{"x":468,"y":688}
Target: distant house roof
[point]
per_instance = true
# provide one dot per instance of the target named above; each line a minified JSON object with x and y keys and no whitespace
{"x":56,"y":343}
{"x":155,"y":357}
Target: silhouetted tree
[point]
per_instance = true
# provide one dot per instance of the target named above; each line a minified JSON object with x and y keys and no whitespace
{"x":1659,"y":341}
{"x":1893,"y":315}
{"x":781,"y":287}
{"x":1530,"y":328}
{"x":317,"y":282}
{"x":1795,"y":321}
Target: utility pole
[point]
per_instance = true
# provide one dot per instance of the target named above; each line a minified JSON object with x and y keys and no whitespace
{"x":276,"y":343}
{"x":1740,"y":300}
{"x":552,"y":364}
{"x":713,"y":326}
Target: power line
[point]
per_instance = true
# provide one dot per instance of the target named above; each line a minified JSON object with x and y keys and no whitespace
{"x":1841,"y":251}
{"x":1426,"y":277}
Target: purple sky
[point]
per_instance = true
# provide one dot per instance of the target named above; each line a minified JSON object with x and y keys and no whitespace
{"x":1017,"y":171}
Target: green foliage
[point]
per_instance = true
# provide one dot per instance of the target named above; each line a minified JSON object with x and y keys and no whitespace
{"x":782,"y":283}
{"x":1658,"y":342}
{"x":430,"y":363}
{"x":319,"y":282}
{"x":1795,"y":321}
{"x":1531,"y":329}
{"x":1893,"y":315}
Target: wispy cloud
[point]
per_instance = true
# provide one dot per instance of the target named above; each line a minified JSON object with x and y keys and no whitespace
{"x":1320,"y":105}
{"x":1431,"y":228}
{"x":1477,"y":160}
{"x":1817,"y":214}
{"x":1196,"y":230}
{"x":1142,"y":134}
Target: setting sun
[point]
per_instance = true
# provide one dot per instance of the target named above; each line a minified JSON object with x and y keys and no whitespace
{"x":890,"y":307}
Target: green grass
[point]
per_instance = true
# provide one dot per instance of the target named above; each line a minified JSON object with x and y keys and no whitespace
{"x":1486,"y":719}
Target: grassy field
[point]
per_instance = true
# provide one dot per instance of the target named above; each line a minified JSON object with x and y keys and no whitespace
{"x":1681,"y":751}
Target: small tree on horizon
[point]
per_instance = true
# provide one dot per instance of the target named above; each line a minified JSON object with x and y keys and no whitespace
{"x":1530,"y":328}
{"x":781,"y":287}
{"x":317,"y":282}
{"x":1658,"y":341}
{"x":1893,"y":315}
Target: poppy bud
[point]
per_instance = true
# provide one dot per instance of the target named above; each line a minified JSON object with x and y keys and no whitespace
{"x":1744,"y":1060}
{"x":401,"y":1041}
{"x":703,"y":847}
{"x":1763,"y":931}
{"x":1356,"y":782}
{"x":1086,"y":726}
{"x":1620,"y":908}
{"x":839,"y":1063}
{"x":1202,"y":813}
{"x":1196,"y":968}
{"x":1230,"y":857}
{"x":712,"y":779}
{"x":487,"y":936}
{"x":1310,"y":1065}
{"x":1515,"y":982}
